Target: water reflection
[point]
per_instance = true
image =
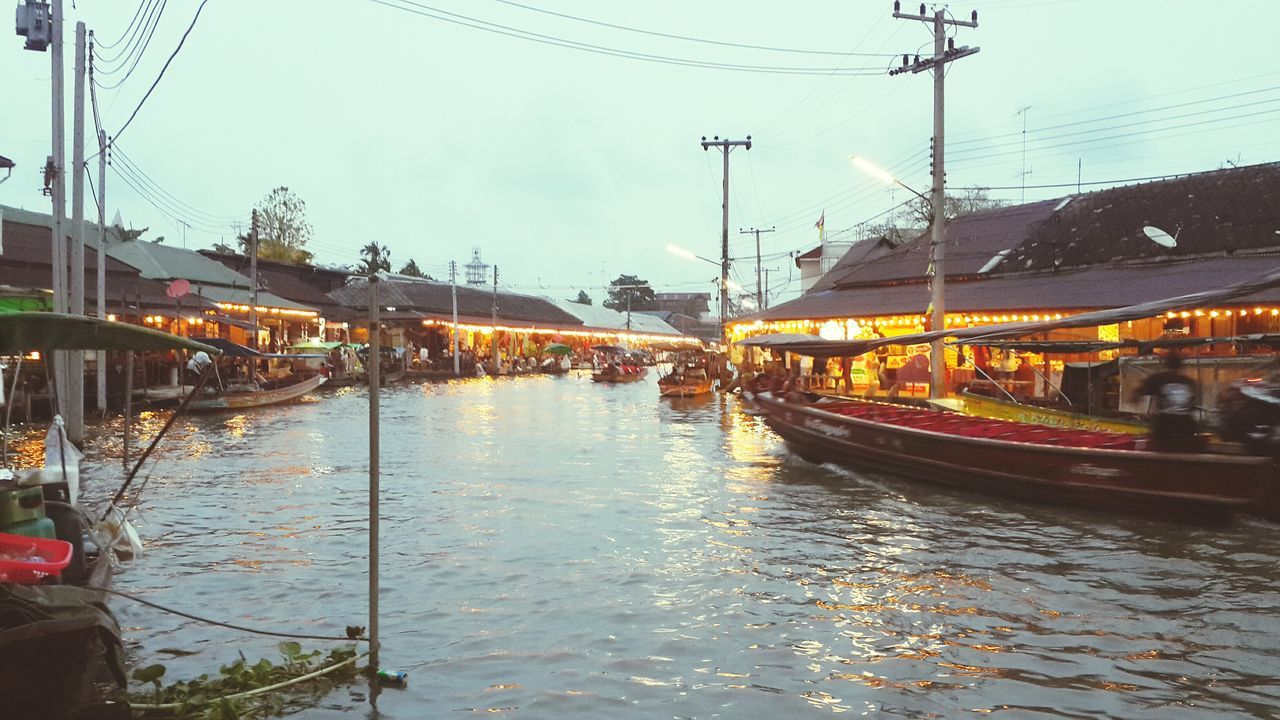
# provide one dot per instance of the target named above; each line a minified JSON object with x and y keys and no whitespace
{"x":553,"y":548}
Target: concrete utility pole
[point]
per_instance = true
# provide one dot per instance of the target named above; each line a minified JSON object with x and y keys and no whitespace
{"x":759,"y":287}
{"x":453,"y":290}
{"x":253,"y":276}
{"x":55,"y":177}
{"x":944,"y":51}
{"x":765,"y":304}
{"x":493,"y":339}
{"x":75,"y":366}
{"x":100,"y":360}
{"x":725,"y":146}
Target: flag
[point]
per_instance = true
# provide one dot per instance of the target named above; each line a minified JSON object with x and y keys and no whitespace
{"x":821,"y":225}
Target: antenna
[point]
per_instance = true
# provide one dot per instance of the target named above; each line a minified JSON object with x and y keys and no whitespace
{"x":1160,"y":237}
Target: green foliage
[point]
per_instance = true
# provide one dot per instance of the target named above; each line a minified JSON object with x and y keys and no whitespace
{"x":412,"y":270}
{"x":283,"y":230}
{"x":374,"y":258}
{"x":204,"y":697}
{"x":633,"y":288}
{"x":583,"y":298}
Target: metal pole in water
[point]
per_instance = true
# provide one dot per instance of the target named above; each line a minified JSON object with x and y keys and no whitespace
{"x":375,"y":357}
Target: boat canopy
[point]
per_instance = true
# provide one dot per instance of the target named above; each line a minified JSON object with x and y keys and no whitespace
{"x":45,"y":331}
{"x":986,"y":334}
{"x":230,"y":349}
{"x":316,"y":345}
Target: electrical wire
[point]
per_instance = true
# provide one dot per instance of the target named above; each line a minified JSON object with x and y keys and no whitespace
{"x":135,"y":57}
{"x":417,"y":8}
{"x":679,"y":37}
{"x":135,"y":36}
{"x":174,"y":54}
{"x":136,"y":14}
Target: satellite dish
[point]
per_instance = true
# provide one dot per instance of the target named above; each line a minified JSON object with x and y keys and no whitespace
{"x":1160,"y":237}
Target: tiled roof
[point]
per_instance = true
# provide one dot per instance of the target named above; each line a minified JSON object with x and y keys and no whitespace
{"x":434,"y":297}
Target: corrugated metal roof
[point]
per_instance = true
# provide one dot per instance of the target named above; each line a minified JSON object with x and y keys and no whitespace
{"x":434,"y":297}
{"x":603,"y":318}
{"x":1083,"y":289}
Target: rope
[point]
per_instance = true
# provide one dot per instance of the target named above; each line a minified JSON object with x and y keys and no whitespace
{"x":250,"y":693}
{"x":229,"y":626}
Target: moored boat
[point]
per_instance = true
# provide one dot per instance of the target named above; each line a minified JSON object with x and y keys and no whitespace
{"x":689,"y":376}
{"x":617,"y":365}
{"x":1111,"y":471}
{"x":997,"y":409}
{"x":246,"y":388}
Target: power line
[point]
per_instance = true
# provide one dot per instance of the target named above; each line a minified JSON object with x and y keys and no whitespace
{"x":687,"y":38}
{"x":138,"y":31}
{"x":162,"y":70}
{"x":417,"y":8}
{"x":137,"y":14}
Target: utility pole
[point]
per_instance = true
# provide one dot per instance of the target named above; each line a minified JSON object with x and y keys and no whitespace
{"x":759,"y":287}
{"x":764,"y":305}
{"x":453,"y":290}
{"x":253,"y":275}
{"x":75,"y":365}
{"x":725,"y":146}
{"x":55,"y":179}
{"x":944,"y":51}
{"x":493,"y":339}
{"x":101,"y":358}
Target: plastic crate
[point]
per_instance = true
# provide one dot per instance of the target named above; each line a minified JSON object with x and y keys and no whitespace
{"x":30,"y":561}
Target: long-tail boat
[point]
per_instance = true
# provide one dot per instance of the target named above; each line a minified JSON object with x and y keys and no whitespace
{"x":251,"y":391}
{"x":617,"y":366}
{"x":1109,"y":470}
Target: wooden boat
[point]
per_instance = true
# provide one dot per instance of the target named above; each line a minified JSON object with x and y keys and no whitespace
{"x":689,"y":373}
{"x":997,"y":409}
{"x":611,"y":375}
{"x":58,"y":640}
{"x":617,"y":365}
{"x":1111,"y":471}
{"x":690,"y":387}
{"x":249,"y":398}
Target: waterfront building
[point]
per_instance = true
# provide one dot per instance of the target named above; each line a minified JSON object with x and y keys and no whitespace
{"x":1082,"y":252}
{"x":419,"y":312}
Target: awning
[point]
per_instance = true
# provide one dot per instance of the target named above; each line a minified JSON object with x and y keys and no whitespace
{"x":45,"y":331}
{"x":230,"y":349}
{"x":1004,"y":331}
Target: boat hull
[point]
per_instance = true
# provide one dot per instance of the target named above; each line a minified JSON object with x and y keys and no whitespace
{"x":623,"y":378}
{"x":1202,"y":487}
{"x":685,"y":389}
{"x":239,"y":401}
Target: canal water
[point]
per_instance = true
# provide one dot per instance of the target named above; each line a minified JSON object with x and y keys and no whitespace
{"x":554,"y":548}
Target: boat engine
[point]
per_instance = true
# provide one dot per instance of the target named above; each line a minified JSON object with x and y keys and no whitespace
{"x":1250,"y":413}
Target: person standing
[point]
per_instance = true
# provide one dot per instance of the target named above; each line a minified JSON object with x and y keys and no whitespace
{"x":1173,"y":427}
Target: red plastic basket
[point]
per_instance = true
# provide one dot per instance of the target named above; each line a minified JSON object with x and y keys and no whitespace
{"x":29,"y":561}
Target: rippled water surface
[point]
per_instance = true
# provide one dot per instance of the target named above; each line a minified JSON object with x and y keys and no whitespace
{"x":554,"y":548}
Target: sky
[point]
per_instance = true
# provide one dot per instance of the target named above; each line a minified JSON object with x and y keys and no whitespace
{"x":561,"y":137}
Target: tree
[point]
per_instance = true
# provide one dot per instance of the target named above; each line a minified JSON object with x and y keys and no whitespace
{"x":225,"y":249}
{"x":283,"y":230}
{"x":374,"y":258}
{"x":583,"y":298}
{"x":630,"y":286}
{"x":965,"y":202}
{"x":412,"y":270}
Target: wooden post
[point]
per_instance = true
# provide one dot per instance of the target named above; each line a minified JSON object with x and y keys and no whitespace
{"x":375,"y":363}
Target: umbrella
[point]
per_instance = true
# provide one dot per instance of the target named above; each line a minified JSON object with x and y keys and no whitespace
{"x":557,"y":349}
{"x":608,"y":348}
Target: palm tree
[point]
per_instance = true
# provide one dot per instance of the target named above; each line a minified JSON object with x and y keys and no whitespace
{"x":375,"y":258}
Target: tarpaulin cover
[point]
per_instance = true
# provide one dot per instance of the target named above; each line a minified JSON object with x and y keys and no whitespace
{"x":44,"y":331}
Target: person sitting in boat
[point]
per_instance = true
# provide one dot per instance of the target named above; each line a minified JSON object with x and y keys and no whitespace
{"x":1173,"y":427}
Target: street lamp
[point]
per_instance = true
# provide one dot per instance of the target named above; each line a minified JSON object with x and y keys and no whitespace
{"x":723,"y":283}
{"x":937,"y":275}
{"x":883,"y":176}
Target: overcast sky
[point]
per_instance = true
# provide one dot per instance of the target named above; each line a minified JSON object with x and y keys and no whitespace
{"x":569,"y":167}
